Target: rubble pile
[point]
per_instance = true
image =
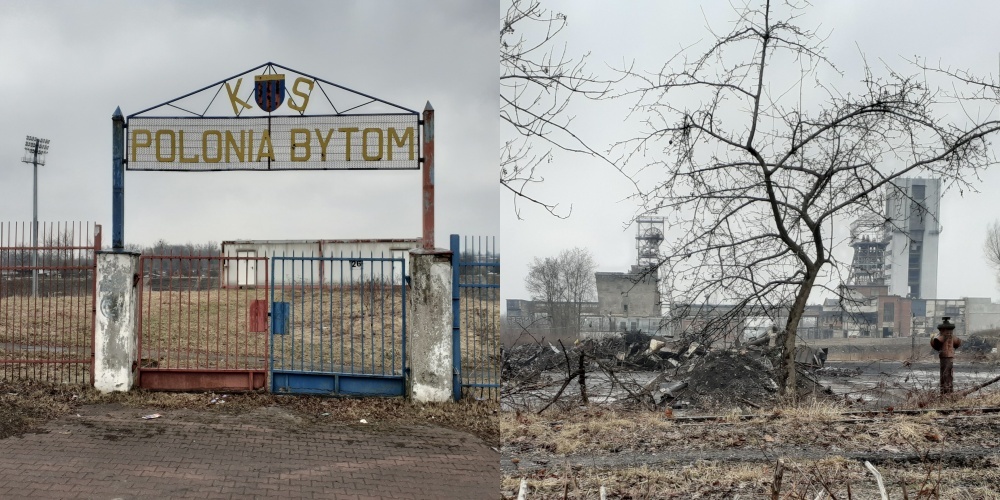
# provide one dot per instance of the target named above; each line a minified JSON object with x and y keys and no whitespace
{"x":688,"y":374}
{"x":528,"y":360}
{"x":726,"y":378}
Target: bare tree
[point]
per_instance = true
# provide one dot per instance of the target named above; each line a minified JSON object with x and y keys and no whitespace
{"x":757,"y":150}
{"x":543,"y":282}
{"x":563,"y":283}
{"x":538,"y":80}
{"x":991,"y":247}
{"x":577,"y":268}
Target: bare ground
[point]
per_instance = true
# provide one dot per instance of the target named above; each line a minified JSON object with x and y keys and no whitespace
{"x":25,"y":406}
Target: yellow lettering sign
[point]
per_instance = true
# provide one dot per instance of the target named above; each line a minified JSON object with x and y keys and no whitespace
{"x":364,"y":144}
{"x":301,"y":108}
{"x":242,"y":149}
{"x":234,"y":99}
{"x":347,"y":140}
{"x":160,"y":135}
{"x":394,"y":138}
{"x":180,"y":147}
{"x":234,"y":145}
{"x":216,"y":150}
{"x":265,"y":145}
{"x":300,"y":147}
{"x":324,"y":142}
{"x":144,"y":144}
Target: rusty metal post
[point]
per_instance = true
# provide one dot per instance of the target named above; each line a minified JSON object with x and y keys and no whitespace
{"x":428,"y":192}
{"x":946,"y":343}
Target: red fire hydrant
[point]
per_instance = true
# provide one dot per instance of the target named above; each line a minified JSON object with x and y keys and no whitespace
{"x":946,"y":343}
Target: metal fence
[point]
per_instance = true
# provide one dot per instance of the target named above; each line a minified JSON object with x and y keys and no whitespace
{"x":476,"y":310}
{"x":47,"y":291}
{"x":338,"y":325}
{"x":195,"y":334}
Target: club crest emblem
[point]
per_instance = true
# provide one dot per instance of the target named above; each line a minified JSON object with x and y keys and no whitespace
{"x":269,"y":91}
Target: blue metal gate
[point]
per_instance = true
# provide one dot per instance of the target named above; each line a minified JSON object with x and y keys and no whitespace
{"x":476,"y":311}
{"x":338,"y":325}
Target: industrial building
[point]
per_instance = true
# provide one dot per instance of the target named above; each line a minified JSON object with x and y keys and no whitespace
{"x":625,"y":300}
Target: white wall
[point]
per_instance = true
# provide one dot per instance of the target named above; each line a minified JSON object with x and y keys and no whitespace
{"x":314,"y":272}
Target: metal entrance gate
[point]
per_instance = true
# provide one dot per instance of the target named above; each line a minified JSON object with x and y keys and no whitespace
{"x":338,"y":325}
{"x":476,"y":311}
{"x":47,"y":292}
{"x":203,"y":323}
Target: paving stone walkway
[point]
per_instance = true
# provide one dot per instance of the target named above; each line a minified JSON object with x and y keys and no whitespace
{"x":109,"y":452}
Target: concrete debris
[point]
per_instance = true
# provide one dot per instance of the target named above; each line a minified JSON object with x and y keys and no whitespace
{"x":656,"y":345}
{"x":811,"y":357}
{"x":692,"y":349}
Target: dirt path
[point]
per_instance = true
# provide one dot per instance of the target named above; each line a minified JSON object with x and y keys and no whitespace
{"x":533,"y":462}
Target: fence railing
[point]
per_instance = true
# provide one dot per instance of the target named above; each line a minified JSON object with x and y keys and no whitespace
{"x":476,"y":309}
{"x":187,"y":321}
{"x":339,"y":315}
{"x":47,"y":290}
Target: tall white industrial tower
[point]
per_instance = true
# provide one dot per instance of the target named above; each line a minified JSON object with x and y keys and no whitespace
{"x":913,"y":214}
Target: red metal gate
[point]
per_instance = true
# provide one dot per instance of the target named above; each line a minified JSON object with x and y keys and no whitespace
{"x":47,"y":292}
{"x":203,"y":323}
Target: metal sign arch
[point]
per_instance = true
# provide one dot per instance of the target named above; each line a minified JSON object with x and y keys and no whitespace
{"x":281,"y":133}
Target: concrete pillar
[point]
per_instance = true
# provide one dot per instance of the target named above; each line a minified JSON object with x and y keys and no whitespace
{"x":116,"y":339}
{"x":429,"y":330}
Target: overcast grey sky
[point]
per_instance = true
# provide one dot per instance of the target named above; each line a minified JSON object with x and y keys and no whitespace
{"x":68,"y":64}
{"x":649,"y":32}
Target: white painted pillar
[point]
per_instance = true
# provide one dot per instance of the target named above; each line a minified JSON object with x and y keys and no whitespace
{"x":116,"y":339}
{"x":429,"y":329}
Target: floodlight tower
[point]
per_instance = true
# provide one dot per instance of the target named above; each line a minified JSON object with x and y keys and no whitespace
{"x":35,"y":150}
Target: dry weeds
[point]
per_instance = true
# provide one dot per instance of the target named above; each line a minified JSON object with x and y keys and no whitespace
{"x":944,"y":453}
{"x":805,"y":479}
{"x":64,"y":321}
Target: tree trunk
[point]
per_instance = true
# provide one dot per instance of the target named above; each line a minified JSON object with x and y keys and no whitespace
{"x":787,"y":385}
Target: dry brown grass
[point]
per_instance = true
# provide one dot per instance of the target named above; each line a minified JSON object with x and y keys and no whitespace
{"x":595,"y":431}
{"x":64,"y":321}
{"x":201,"y":329}
{"x":343,"y":329}
{"x":566,"y":439}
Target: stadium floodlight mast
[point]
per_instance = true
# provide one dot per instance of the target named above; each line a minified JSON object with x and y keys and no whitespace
{"x":35,"y":150}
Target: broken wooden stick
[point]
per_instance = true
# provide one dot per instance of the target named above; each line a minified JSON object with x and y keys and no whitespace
{"x":978,"y":387}
{"x":779,"y":471}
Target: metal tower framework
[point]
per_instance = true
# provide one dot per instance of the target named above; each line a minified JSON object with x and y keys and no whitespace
{"x":648,"y":237}
{"x":869,"y":240}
